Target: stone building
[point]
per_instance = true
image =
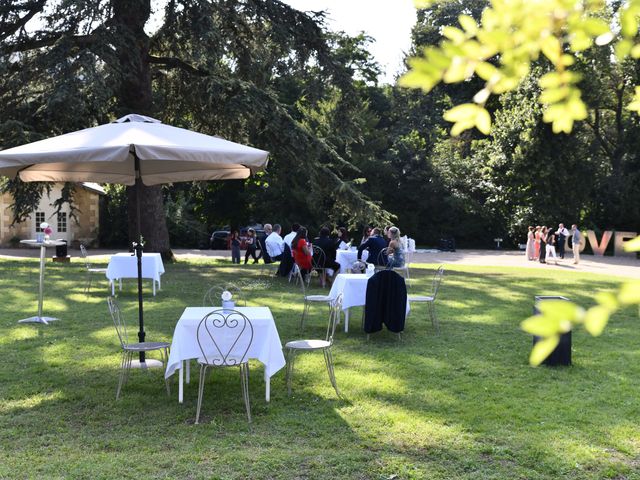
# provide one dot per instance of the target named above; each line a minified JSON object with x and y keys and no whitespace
{"x":83,"y":230}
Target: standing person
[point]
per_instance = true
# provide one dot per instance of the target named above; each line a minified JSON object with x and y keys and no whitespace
{"x":543,"y":245}
{"x":268,"y":229}
{"x":561,"y":235}
{"x":288,"y":238}
{"x":374,"y":244}
{"x":551,"y":246}
{"x":251,"y":246}
{"x":302,"y":251}
{"x":343,"y":239}
{"x":395,"y":250}
{"x":274,"y":243}
{"x":235,"y":247}
{"x":536,"y":244}
{"x":531,"y":251}
{"x":576,"y":238}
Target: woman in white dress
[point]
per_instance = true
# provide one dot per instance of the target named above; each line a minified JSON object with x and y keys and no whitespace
{"x":531,"y":251}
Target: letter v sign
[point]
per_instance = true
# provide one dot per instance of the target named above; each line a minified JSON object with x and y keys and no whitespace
{"x":593,"y":241}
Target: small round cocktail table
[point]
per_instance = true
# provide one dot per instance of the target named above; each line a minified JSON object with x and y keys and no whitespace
{"x":43,"y":248}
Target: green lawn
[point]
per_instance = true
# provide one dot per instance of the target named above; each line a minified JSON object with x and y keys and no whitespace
{"x":464,"y":404}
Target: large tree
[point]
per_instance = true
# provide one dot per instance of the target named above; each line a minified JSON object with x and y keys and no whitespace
{"x":215,"y":66}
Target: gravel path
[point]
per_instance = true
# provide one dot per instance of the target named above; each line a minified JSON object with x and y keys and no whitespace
{"x":622,"y":266}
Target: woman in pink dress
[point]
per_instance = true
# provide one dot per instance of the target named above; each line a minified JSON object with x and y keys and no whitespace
{"x":536,"y":254}
{"x":530,"y":244}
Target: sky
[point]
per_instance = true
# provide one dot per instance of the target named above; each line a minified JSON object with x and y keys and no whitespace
{"x":388,"y":22}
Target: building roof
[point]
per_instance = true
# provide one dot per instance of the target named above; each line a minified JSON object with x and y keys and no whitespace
{"x":93,"y":187}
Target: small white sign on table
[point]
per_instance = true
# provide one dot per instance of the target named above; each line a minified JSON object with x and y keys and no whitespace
{"x":125,"y":265}
{"x":265,"y":347}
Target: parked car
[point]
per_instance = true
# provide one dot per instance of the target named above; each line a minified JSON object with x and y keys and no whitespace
{"x":220,"y":240}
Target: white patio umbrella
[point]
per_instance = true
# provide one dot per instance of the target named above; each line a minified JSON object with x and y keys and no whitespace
{"x":133,"y":150}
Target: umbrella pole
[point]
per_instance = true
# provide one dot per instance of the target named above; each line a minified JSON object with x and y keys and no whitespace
{"x":137,"y":245}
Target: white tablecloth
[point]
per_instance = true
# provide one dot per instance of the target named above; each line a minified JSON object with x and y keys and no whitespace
{"x":124,"y":265}
{"x":265,"y":347}
{"x":353,"y":287}
{"x":346,"y":258}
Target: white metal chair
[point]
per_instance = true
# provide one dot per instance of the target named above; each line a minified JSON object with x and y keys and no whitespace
{"x":309,"y":299}
{"x":319,"y":261}
{"x":431,"y":299}
{"x":129,"y":349}
{"x":294,"y":347}
{"x":213,"y":296}
{"x":224,"y":337}
{"x":383,"y":260}
{"x":90,"y":270}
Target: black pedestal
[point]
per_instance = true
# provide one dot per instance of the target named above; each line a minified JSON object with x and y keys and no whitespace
{"x":562,"y":354}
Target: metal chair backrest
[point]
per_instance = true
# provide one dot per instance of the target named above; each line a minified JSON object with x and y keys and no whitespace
{"x":118,"y":321}
{"x":213,"y":296}
{"x":83,"y":254}
{"x":383,"y":258}
{"x":319,"y":258}
{"x":334,"y":318}
{"x":225,"y":337}
{"x":299,"y":278}
{"x":437,"y":280}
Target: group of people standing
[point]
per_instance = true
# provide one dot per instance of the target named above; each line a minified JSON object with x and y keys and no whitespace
{"x":542,"y":243}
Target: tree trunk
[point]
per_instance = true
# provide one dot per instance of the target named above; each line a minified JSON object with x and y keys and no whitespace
{"x":135,"y":96}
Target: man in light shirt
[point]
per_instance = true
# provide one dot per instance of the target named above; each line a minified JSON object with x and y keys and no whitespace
{"x":274,"y":243}
{"x":263,"y":243}
{"x":561,"y":234}
{"x":288,"y":238}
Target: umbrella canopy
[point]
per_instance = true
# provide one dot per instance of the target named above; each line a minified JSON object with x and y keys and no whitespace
{"x":106,"y":154}
{"x":132,"y":148}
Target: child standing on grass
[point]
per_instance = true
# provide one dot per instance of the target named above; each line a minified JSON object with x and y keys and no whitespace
{"x":235,"y":247}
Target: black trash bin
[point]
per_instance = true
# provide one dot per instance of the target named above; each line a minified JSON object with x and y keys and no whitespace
{"x":562,"y":354}
{"x":61,"y":250}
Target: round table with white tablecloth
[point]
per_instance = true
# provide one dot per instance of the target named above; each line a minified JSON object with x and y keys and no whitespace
{"x":346,"y":258}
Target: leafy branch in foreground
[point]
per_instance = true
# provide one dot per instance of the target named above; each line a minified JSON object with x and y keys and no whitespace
{"x":510,"y":37}
{"x":558,"y":316}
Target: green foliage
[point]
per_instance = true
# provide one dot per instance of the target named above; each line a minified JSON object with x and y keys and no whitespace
{"x":509,"y":39}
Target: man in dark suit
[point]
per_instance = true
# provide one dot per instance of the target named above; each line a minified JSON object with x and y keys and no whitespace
{"x":329,"y":247}
{"x":374,"y":244}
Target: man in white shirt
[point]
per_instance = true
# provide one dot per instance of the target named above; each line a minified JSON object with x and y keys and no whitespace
{"x":561,"y":234}
{"x":288,"y":238}
{"x":274,"y":243}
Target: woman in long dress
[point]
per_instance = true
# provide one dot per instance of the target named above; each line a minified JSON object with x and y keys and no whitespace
{"x":536,"y":253}
{"x":530,"y":244}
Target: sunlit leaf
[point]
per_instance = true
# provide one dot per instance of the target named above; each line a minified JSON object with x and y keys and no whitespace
{"x":468,"y":23}
{"x":596,"y":319}
{"x":454,"y":34}
{"x":628,"y":22}
{"x":466,"y":111}
{"x":629,"y":293}
{"x":541,"y":326}
{"x":483,"y":121}
{"x":632,"y":245}
{"x":607,"y":300}
{"x":560,"y":310}
{"x":543,"y":349}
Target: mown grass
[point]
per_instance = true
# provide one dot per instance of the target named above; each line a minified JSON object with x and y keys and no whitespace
{"x":464,"y":404}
